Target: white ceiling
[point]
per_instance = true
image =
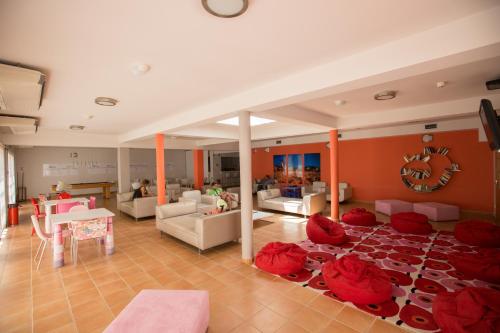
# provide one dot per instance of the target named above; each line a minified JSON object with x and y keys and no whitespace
{"x":87,"y":49}
{"x":462,"y":82}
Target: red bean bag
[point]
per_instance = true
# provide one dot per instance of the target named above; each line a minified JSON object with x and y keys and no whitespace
{"x":484,"y":265}
{"x":356,"y":280}
{"x":281,"y":258}
{"x":478,"y":233}
{"x":469,"y":310}
{"x":321,"y":230}
{"x":411,"y":223}
{"x":360,"y":217}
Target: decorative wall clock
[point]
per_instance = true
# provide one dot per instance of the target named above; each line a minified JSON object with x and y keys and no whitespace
{"x":410,"y":174}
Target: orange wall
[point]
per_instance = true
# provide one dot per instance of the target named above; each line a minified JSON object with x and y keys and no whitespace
{"x":372,"y":167}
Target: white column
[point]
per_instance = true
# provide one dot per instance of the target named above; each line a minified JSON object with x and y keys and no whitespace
{"x":123,"y":169}
{"x":246,"y":187}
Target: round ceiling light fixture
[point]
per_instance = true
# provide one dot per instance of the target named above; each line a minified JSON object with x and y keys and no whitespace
{"x":385,"y":95}
{"x":225,"y":8}
{"x":77,"y":127}
{"x":105,"y":101}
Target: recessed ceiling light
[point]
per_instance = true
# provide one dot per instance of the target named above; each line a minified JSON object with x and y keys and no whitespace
{"x":106,"y":101}
{"x":139,"y":68}
{"x":225,"y":8}
{"x":254,"y":121}
{"x":77,"y":127}
{"x":339,"y":102}
{"x":385,"y":95}
{"x":441,"y":84}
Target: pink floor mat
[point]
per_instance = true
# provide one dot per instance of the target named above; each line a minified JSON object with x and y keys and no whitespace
{"x":417,"y":265}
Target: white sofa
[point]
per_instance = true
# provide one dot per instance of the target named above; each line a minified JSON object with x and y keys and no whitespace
{"x":204,"y":202}
{"x":345,"y":190}
{"x":182,"y":221}
{"x":308,"y":205}
{"x":137,"y":208}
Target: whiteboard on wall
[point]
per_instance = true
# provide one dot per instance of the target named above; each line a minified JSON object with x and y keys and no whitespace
{"x":59,"y":169}
{"x":73,"y":169}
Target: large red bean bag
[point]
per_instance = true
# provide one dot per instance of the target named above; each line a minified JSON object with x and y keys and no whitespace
{"x":357,"y":281}
{"x":281,"y":258}
{"x":469,"y":310}
{"x":478,"y":233}
{"x":321,"y":230}
{"x":360,"y":217}
{"x":411,"y":223}
{"x":484,"y":265}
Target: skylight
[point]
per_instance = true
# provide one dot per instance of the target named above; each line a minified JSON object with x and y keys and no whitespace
{"x":254,"y":121}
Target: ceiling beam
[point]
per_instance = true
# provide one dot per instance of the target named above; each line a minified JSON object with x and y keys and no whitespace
{"x":429,"y":112}
{"x":299,"y":115}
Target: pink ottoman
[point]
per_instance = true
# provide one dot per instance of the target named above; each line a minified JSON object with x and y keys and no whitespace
{"x":437,"y":211}
{"x":164,"y":311}
{"x":390,"y":207}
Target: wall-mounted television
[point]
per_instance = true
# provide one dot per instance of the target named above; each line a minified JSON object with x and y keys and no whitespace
{"x":491,"y":123}
{"x":230,"y":163}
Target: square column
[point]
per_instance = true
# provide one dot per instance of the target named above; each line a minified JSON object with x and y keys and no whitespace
{"x":198,"y":168}
{"x":246,"y":187}
{"x":123,"y":169}
{"x":160,"y":168}
{"x":334,"y":174}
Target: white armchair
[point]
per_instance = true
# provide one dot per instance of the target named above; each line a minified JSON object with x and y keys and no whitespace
{"x":138,"y":207}
{"x":345,"y":192}
{"x":173,"y":191}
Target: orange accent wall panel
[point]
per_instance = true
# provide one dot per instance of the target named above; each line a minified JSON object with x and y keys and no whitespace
{"x":372,"y":167}
{"x":160,"y":168}
{"x":198,"y":168}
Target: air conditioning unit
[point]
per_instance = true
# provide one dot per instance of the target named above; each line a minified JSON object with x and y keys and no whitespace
{"x":21,"y":89}
{"x":18,"y":125}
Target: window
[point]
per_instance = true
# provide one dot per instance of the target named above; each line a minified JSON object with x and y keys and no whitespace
{"x":3,"y":199}
{"x":11,"y":174}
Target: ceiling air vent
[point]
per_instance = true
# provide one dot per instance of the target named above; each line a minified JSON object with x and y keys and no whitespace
{"x":18,"y":125}
{"x":431,"y":126}
{"x":21,"y":89}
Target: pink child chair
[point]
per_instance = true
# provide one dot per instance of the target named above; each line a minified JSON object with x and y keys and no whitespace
{"x":92,"y":202}
{"x":65,"y":207}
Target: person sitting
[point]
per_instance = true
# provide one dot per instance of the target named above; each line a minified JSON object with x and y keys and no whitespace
{"x":265,"y":182}
{"x":140,"y":189}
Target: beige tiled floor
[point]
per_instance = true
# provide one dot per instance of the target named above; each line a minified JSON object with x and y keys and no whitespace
{"x":86,"y":297}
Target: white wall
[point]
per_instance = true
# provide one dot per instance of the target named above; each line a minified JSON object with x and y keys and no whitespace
{"x":31,"y":160}
{"x":143,"y":163}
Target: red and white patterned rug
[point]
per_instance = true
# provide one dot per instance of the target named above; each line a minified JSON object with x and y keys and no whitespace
{"x":417,"y":265}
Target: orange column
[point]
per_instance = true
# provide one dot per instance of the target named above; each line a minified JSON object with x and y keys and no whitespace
{"x":198,"y":168}
{"x":160,"y":168}
{"x":334,"y":174}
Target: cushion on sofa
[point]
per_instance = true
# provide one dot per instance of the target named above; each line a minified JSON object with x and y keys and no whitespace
{"x":411,"y":223}
{"x":484,"y":265}
{"x":478,"y":233}
{"x":468,"y":310}
{"x":322,"y":230}
{"x":281,"y":258}
{"x":177,"y":209}
{"x":269,"y":194}
{"x":360,"y":217}
{"x":356,"y":280}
